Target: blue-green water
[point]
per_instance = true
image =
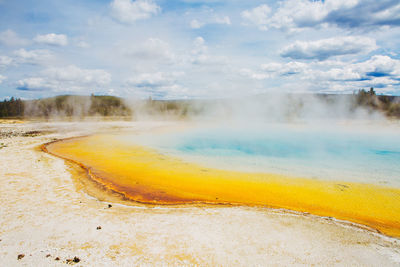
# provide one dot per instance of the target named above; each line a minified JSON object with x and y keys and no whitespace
{"x":369,"y":155}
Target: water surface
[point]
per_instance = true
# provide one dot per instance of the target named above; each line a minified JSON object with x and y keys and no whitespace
{"x":363,"y":154}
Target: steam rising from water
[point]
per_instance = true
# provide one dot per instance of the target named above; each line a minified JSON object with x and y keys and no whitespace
{"x":338,"y":152}
{"x":269,"y":107}
{"x":322,"y":136}
{"x":307,"y":108}
{"x":319,"y":136}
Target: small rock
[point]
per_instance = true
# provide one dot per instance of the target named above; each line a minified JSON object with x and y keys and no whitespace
{"x":48,"y":255}
{"x":57,"y":259}
{"x":109,"y":205}
{"x":20,"y":256}
{"x":75,"y":260}
{"x":98,"y":228}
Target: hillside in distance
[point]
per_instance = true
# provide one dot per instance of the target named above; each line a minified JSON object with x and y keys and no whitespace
{"x":277,"y":106}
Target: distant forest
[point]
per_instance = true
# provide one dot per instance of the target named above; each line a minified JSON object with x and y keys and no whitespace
{"x":64,"y":106}
{"x":390,"y":105}
{"x":11,"y":108}
{"x":83,"y":106}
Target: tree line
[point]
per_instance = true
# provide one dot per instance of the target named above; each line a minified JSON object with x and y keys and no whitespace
{"x":11,"y":108}
{"x":64,"y":106}
{"x":390,"y":105}
{"x":82,"y":106}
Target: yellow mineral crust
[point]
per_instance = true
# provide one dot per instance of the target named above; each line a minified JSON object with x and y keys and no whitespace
{"x":145,"y":175}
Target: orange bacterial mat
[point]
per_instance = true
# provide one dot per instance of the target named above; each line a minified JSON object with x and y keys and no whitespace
{"x":144,"y":175}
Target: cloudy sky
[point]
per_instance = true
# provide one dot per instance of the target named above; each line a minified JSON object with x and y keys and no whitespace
{"x":171,"y":49}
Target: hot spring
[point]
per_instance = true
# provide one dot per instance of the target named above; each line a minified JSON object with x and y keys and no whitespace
{"x":350,"y":173}
{"x":330,"y":153}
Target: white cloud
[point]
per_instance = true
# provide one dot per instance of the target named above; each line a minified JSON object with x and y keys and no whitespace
{"x":289,"y":68}
{"x":223,"y":20}
{"x":380,"y":64}
{"x":73,"y":73}
{"x":325,"y":48}
{"x":5,"y":61}
{"x":34,"y":84}
{"x":174,"y":91}
{"x":255,"y":75}
{"x":380,"y":72}
{"x":294,"y":15}
{"x":22,"y":56}
{"x":258,"y":15}
{"x":201,"y":1}
{"x":199,"y":53}
{"x":69,"y":79}
{"x":202,"y":57}
{"x":335,"y":74}
{"x":156,"y":79}
{"x":127,"y":11}
{"x":10,"y":38}
{"x":152,"y":49}
{"x":381,"y":84}
{"x":38,"y":56}
{"x":377,"y":68}
{"x":388,"y":14}
{"x":195,"y":24}
{"x":225,"y":60}
{"x":199,"y":45}
{"x":2,"y":78}
{"x":275,"y":69}
{"x":52,"y":39}
{"x":82,"y":44}
{"x":158,"y":84}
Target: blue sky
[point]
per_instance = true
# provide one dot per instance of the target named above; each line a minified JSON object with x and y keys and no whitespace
{"x":197,"y":48}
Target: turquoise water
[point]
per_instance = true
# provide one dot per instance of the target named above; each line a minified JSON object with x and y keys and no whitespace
{"x":369,"y":155}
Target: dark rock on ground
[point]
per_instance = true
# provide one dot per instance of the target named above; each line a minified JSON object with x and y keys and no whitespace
{"x":74,"y":260}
